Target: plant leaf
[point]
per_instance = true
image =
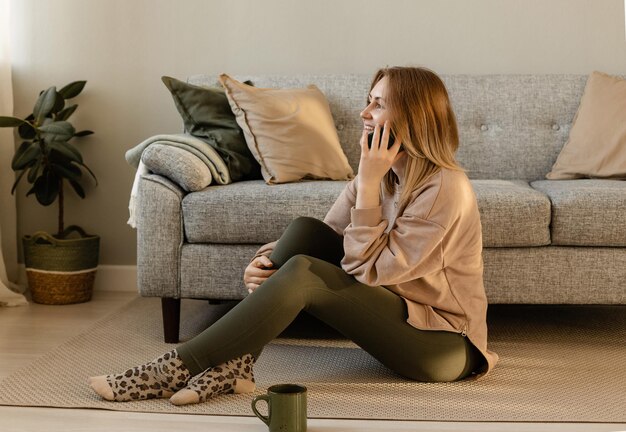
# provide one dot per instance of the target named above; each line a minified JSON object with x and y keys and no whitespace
{"x":66,"y":112}
{"x":46,"y":187}
{"x":73,"y":89}
{"x":70,"y":172}
{"x":10,"y":121}
{"x":20,"y":150}
{"x":78,"y":188}
{"x":27,"y":157}
{"x":90,"y":172}
{"x":45,"y":103}
{"x":59,"y":103}
{"x":27,"y":131}
{"x":58,"y":131}
{"x":55,"y":157}
{"x":19,"y":177}
{"x":34,"y":171}
{"x":68,"y":150}
{"x":83,"y":133}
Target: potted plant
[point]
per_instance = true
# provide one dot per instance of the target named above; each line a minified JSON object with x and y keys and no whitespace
{"x":60,"y":270}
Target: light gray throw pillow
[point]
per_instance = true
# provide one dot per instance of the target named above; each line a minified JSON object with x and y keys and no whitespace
{"x":179,"y":165}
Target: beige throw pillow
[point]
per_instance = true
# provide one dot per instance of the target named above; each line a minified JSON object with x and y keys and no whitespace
{"x":290,"y":132}
{"x":597,"y":142}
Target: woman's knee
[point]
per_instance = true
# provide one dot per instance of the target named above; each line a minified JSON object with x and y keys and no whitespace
{"x":297,"y":262}
{"x":291,"y":280}
{"x":308,"y":236}
{"x":309,"y":271}
{"x":294,"y":268}
{"x":306,"y":224}
{"x":301,"y":267}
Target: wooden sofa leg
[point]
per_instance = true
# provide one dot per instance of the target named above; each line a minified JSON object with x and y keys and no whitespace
{"x":171,"y":318}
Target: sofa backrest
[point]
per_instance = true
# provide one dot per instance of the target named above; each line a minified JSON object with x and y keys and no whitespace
{"x":511,"y":126}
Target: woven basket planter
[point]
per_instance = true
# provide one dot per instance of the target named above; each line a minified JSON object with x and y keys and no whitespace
{"x":61,"y":270}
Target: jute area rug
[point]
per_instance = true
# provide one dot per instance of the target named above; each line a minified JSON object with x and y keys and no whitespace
{"x":558,"y":364}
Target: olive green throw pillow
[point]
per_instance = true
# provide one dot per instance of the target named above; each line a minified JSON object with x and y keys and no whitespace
{"x":207,"y":115}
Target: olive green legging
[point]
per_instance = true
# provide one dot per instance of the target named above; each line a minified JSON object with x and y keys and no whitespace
{"x":310,"y":278}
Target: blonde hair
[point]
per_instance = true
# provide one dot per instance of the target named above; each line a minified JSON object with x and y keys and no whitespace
{"x":422,"y":118}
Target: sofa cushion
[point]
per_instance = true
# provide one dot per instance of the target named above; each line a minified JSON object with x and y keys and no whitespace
{"x":207,"y":115}
{"x":253,"y":212}
{"x":597,"y":141}
{"x":586,"y":212}
{"x":290,"y":132}
{"x":512,"y":213}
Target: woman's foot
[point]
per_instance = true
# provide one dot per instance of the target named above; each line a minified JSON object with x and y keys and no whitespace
{"x":160,"y":378}
{"x":234,"y":376}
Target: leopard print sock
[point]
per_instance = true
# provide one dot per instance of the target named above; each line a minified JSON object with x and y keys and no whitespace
{"x":234,"y":376}
{"x":160,"y":378}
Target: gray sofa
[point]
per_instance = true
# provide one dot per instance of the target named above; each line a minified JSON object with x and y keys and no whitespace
{"x":545,"y":241}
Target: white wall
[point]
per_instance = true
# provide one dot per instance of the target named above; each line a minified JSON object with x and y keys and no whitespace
{"x":122,"y":47}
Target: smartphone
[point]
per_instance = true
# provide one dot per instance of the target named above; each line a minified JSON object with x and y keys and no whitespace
{"x":370,"y":138}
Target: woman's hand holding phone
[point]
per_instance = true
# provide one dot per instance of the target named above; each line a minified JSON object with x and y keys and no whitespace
{"x":377,"y":158}
{"x":377,"y":154}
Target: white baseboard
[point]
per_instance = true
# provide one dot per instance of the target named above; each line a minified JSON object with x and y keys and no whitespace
{"x":108,"y":278}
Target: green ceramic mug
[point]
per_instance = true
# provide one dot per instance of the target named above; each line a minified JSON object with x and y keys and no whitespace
{"x":286,"y":408}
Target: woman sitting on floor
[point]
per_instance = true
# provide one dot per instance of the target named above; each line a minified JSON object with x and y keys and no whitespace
{"x":396,"y":266}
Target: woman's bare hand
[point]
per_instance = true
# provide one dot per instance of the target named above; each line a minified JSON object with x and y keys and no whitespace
{"x":257,"y":272}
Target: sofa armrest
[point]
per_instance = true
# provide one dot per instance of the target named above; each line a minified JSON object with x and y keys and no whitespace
{"x":159,"y":237}
{"x":177,"y":164}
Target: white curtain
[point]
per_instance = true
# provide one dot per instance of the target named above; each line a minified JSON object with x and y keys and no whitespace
{"x":8,"y":226}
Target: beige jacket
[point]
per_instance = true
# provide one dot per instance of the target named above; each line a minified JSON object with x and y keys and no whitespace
{"x":428,"y":252}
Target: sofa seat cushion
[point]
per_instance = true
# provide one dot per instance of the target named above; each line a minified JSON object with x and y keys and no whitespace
{"x":253,"y":212}
{"x":512,"y":213}
{"x":586,"y":212}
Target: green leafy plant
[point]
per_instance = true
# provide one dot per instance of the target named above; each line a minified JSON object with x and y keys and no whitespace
{"x":46,"y":156}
